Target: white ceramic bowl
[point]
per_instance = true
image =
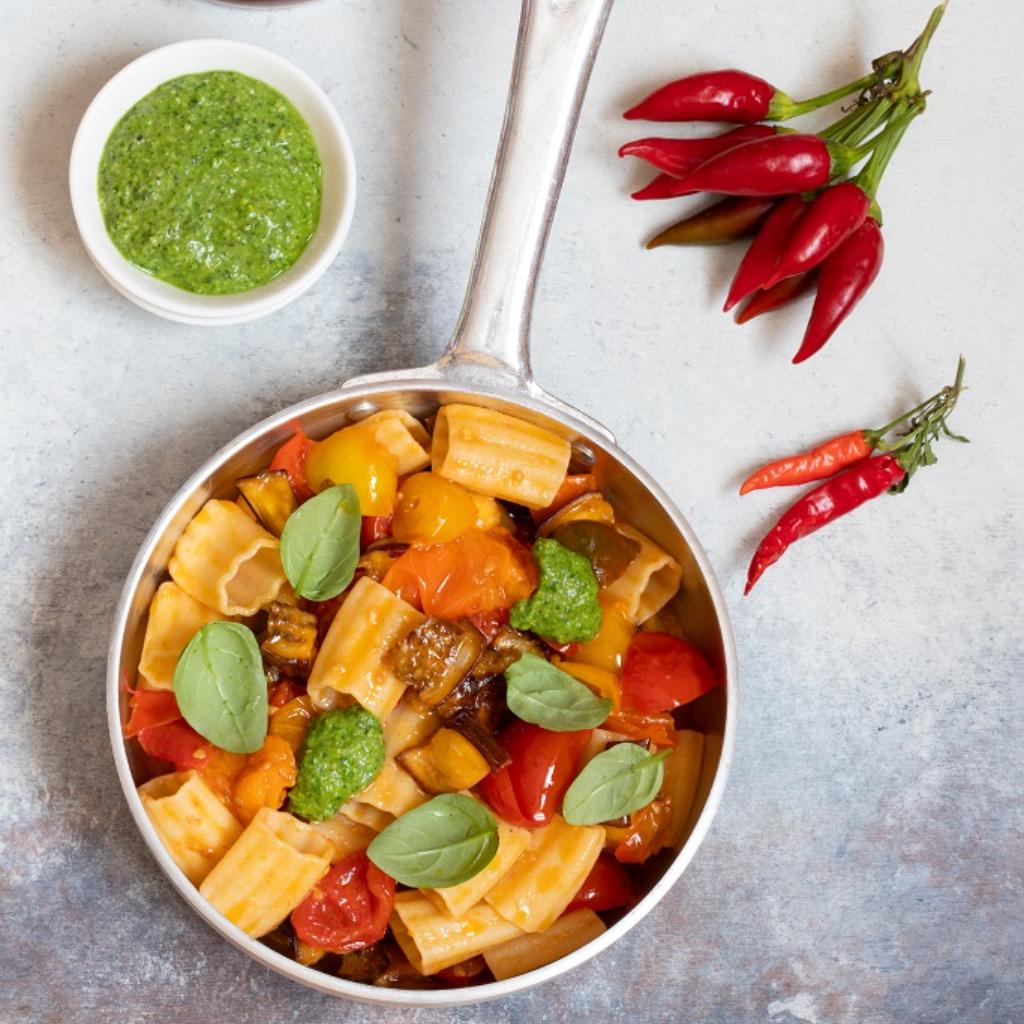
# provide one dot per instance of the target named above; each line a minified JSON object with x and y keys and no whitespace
{"x":141,"y":77}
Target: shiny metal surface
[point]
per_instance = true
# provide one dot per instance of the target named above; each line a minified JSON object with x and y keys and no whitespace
{"x":487,"y":362}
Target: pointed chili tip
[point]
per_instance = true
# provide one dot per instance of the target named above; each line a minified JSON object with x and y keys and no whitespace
{"x":632,"y":114}
{"x":746,"y":488}
{"x":749,"y":587}
{"x":626,"y":149}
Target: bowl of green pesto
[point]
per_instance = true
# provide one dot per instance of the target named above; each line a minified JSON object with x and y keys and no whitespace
{"x":212,"y":182}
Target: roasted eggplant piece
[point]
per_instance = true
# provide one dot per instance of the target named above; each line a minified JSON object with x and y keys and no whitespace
{"x":271,"y":498}
{"x":435,"y":657}
{"x":481,"y":699}
{"x":506,"y":649}
{"x":448,"y":763}
{"x":290,"y":638}
{"x":364,"y":965}
{"x":465,"y":723}
{"x":590,"y":507}
{"x":608,"y":551}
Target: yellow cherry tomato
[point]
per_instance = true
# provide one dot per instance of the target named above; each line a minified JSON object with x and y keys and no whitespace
{"x":351,"y":456}
{"x":608,"y":648}
{"x":432,"y":510}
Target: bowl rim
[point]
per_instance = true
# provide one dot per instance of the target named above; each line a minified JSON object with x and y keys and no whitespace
{"x":307,"y":976}
{"x":102,"y":115}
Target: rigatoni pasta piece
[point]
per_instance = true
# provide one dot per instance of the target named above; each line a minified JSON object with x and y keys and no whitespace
{"x":498,"y":455}
{"x":394,"y":791}
{"x":409,"y":725}
{"x":228,"y":562}
{"x":345,"y":835}
{"x":193,"y":824}
{"x":268,"y":872}
{"x":366,"y":814}
{"x":458,"y":899}
{"x":682,"y":775}
{"x":543,"y":881}
{"x":351,"y":659}
{"x":403,"y":436}
{"x":528,"y":952}
{"x":174,"y":618}
{"x":432,"y":939}
{"x":650,"y":581}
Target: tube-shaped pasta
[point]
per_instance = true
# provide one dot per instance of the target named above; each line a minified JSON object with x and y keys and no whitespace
{"x":682,"y":775}
{"x":366,"y":814}
{"x":409,"y":725}
{"x":195,"y":827}
{"x":393,"y":791}
{"x":528,"y":952}
{"x":498,"y":455}
{"x":174,"y":618}
{"x":344,"y":834}
{"x":432,"y":939}
{"x":543,"y":881}
{"x":401,"y":434}
{"x":228,"y":562}
{"x":268,"y":871}
{"x":650,"y":581}
{"x":351,"y":659}
{"x":458,"y":899}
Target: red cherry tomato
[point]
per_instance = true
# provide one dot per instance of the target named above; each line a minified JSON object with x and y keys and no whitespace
{"x":491,"y":623}
{"x":150,"y":708}
{"x":176,"y":742}
{"x":529,"y":790}
{"x":285,"y":691}
{"x":608,"y":885}
{"x":374,"y":528}
{"x":348,"y":908}
{"x":291,"y":457}
{"x":661,"y":672}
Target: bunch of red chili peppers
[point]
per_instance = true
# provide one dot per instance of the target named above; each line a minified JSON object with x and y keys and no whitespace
{"x":857,"y":473}
{"x":814,"y":217}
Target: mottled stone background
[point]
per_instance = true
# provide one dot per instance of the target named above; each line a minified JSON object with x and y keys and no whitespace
{"x":866,"y":865}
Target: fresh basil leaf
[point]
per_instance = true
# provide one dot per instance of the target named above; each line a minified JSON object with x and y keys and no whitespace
{"x":220,"y":687}
{"x":320,"y":543}
{"x":620,"y":780}
{"x":540,"y":693}
{"x":445,"y":841}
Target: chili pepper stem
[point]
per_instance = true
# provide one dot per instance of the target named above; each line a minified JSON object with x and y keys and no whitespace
{"x":915,"y":54}
{"x":795,"y":108}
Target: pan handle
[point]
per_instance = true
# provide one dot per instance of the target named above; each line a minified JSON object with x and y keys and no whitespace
{"x":555,"y":51}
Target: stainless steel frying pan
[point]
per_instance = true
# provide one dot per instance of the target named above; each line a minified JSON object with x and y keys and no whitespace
{"x":486,"y":363}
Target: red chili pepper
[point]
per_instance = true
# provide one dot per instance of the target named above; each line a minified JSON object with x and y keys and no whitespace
{"x":782,"y":294}
{"x":679,"y":157}
{"x":663,"y":186}
{"x":763,"y":253}
{"x":831,"y":219}
{"x":825,"y":460}
{"x":725,"y":221}
{"x":835,"y":498}
{"x":772,"y":167}
{"x":842,"y":281}
{"x":727,"y":95}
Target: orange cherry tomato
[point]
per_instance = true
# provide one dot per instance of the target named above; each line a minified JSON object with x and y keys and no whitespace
{"x":644,"y":837}
{"x":291,"y":457}
{"x":291,"y":721}
{"x":662,"y":672}
{"x":219,"y":769}
{"x":475,"y":573}
{"x":265,"y":779}
{"x":351,"y":456}
{"x":432,"y":510}
{"x":572,"y":487}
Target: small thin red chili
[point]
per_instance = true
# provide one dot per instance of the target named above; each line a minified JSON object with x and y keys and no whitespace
{"x":679,"y":157}
{"x":782,"y":294}
{"x":759,"y":261}
{"x":724,"y":221}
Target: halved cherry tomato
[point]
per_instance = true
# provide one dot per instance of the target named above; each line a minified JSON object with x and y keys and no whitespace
{"x":608,"y":885}
{"x":529,"y":791}
{"x":637,"y":725}
{"x":491,"y":623}
{"x":219,"y":769}
{"x":474,"y":573}
{"x":662,"y":672}
{"x":571,"y":488}
{"x":176,"y":742}
{"x":291,"y":457}
{"x":374,"y":528}
{"x":149,"y":708}
{"x":352,"y":456}
{"x":284,"y":691}
{"x":348,"y":908}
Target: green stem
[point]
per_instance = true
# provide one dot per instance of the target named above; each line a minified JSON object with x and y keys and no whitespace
{"x":826,"y":98}
{"x":915,"y":55}
{"x":896,"y":127}
{"x":843,"y":129}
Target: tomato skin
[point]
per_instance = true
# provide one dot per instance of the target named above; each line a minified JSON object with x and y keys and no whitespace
{"x":491,"y":623}
{"x":176,"y":742}
{"x":572,"y":487}
{"x":608,"y":885}
{"x":660,"y":729}
{"x":529,"y":791}
{"x":432,"y":510}
{"x":475,"y":573}
{"x":291,"y":457}
{"x":662,"y":672}
{"x":352,"y":456}
{"x":348,"y":908}
{"x":150,"y":708}
{"x":284,"y":691}
{"x":644,"y":837}
{"x":374,"y":528}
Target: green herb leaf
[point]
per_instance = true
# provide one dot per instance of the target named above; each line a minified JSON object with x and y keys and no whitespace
{"x":443,"y":842}
{"x":220,"y":687}
{"x":540,"y":693}
{"x":620,"y":780}
{"x":320,"y":543}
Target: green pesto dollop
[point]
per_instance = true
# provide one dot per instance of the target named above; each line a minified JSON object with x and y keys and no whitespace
{"x":342,"y":755}
{"x":564,"y":607}
{"x":212,"y":183}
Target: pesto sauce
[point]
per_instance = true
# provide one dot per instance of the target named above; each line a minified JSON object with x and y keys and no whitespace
{"x":211,"y":183}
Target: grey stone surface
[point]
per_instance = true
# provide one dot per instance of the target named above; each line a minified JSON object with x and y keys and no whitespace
{"x":867,"y":863}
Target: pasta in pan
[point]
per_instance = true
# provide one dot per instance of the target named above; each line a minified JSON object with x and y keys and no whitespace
{"x":381,"y":707}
